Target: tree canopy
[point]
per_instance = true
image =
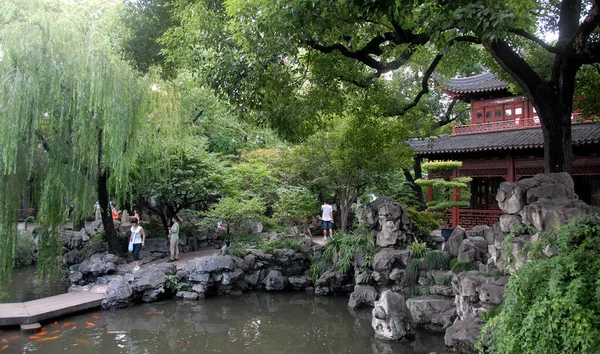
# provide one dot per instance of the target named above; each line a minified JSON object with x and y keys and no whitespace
{"x":308,"y":56}
{"x":68,"y":104}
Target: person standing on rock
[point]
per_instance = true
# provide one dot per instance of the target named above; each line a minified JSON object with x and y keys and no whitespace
{"x":327,"y":219}
{"x":174,"y":237}
{"x":138,"y":237}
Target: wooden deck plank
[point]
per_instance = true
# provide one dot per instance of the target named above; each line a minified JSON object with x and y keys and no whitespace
{"x":13,"y":314}
{"x":47,"y":308}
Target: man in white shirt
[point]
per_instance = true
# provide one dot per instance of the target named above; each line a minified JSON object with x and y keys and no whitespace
{"x":327,"y":219}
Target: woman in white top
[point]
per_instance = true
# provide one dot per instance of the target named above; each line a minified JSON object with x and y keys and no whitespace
{"x":138,"y":236}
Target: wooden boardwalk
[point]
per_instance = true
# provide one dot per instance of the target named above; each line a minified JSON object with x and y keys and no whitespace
{"x":47,"y":308}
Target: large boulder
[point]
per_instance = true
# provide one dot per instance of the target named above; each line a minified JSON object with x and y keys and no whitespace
{"x":333,"y":282}
{"x":512,"y":197}
{"x":363,"y":296}
{"x":98,"y":265}
{"x":389,"y":221}
{"x":275,"y":281}
{"x":387,"y":259}
{"x":214,"y":263}
{"x":118,"y":293}
{"x":549,"y":214}
{"x":463,"y":334}
{"x":455,"y":240}
{"x":148,"y":283}
{"x":432,"y":314}
{"x":475,"y":293}
{"x":391,"y":317}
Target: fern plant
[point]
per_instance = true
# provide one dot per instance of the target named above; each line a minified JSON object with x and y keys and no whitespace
{"x":436,"y":260}
{"x":419,"y":249}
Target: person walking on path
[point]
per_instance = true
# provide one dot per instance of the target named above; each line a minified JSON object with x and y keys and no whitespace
{"x":327,"y":219}
{"x":138,"y":237}
{"x":174,"y":238}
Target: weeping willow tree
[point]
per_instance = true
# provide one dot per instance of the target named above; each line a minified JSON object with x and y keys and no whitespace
{"x":69,"y":104}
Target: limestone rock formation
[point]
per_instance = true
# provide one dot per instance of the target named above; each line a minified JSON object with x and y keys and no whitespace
{"x":363,"y":296}
{"x":388,"y":220}
{"x":432,"y":314}
{"x":391,"y":317}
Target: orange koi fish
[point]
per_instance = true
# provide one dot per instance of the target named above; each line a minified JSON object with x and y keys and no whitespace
{"x":54,"y":324}
{"x":54,"y":332}
{"x":73,"y":328}
{"x":4,"y":341}
{"x":4,"y":348}
{"x":149,"y":313}
{"x":67,"y":324}
{"x":90,"y":324}
{"x":182,"y":342}
{"x":46,"y":339}
{"x":14,"y":337}
{"x":82,"y":341}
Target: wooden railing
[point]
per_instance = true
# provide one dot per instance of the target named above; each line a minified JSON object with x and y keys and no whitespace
{"x":468,"y":218}
{"x":513,"y":124}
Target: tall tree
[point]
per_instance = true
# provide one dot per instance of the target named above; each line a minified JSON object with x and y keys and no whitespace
{"x":304,"y":56}
{"x":67,"y":101}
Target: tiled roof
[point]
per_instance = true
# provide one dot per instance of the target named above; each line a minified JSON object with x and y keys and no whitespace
{"x":530,"y":138}
{"x":479,"y":83}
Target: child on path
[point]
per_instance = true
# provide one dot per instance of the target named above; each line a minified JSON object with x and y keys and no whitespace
{"x":138,"y":237}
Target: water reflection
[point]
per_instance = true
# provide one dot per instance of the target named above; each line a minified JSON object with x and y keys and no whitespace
{"x":252,"y":323}
{"x":26,"y":287}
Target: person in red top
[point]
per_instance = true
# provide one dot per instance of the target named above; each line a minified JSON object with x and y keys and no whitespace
{"x":114,"y":213}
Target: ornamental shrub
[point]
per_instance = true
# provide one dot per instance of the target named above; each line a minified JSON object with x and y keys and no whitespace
{"x":445,"y":185}
{"x":423,"y":223}
{"x":552,"y":304}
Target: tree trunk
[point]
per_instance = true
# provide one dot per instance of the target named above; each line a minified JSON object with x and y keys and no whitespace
{"x":558,"y":142}
{"x":107,"y":222}
{"x":411,"y":182}
{"x":105,"y":212}
{"x":344,"y":213}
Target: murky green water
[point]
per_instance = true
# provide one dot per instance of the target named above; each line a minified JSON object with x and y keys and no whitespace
{"x":25,"y":286}
{"x":253,"y":323}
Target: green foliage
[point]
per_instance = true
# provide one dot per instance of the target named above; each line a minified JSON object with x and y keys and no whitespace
{"x":551,"y":304}
{"x":237,"y":249}
{"x":436,"y":260}
{"x":438,"y":165}
{"x":416,"y":291}
{"x":412,"y":271}
{"x":459,"y":267}
{"x":345,"y":247}
{"x":294,"y":204}
{"x":280,"y":243}
{"x":172,"y":283}
{"x":423,"y":223}
{"x":235,"y":213}
{"x":443,"y":280}
{"x":65,"y":120}
{"x":419,"y":249}
{"x":445,"y":186}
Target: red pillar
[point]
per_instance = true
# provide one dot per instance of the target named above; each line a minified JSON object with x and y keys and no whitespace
{"x":511,"y":170}
{"x":455,"y":211}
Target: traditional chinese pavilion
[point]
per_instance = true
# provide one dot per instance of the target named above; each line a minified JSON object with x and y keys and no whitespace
{"x":504,"y":142}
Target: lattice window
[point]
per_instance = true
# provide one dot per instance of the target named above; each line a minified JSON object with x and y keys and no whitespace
{"x":528,"y":171}
{"x":586,"y":170}
{"x":472,"y":172}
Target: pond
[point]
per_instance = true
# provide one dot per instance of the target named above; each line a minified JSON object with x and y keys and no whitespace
{"x":253,"y":323}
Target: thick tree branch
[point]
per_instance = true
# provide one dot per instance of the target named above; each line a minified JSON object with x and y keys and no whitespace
{"x":446,"y":118}
{"x":373,"y":48}
{"x":537,"y":40}
{"x":515,"y":66}
{"x":431,"y":69}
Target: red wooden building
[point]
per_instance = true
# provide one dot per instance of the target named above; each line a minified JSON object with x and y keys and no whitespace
{"x":504,"y":142}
